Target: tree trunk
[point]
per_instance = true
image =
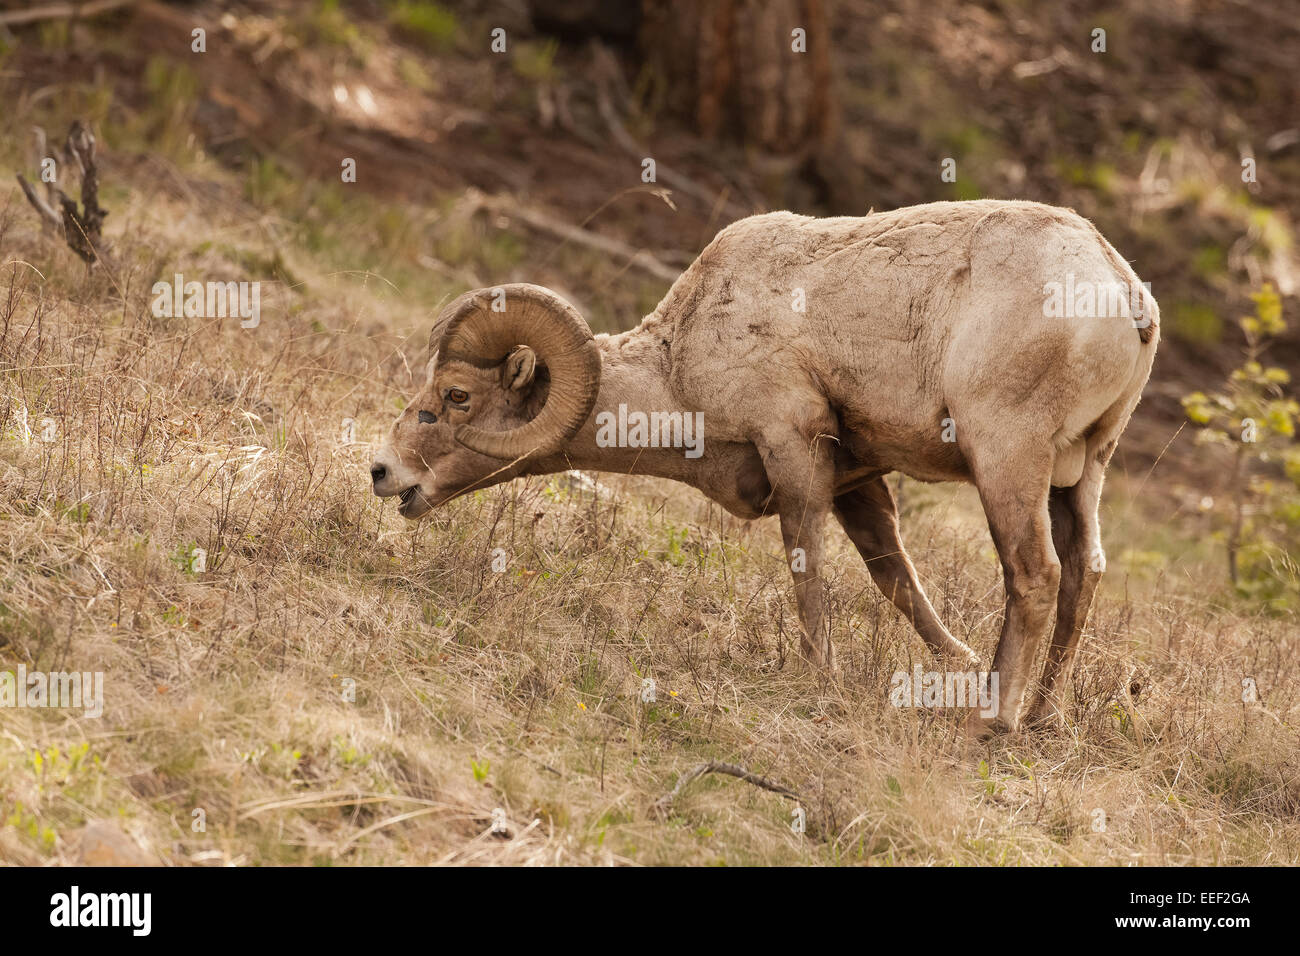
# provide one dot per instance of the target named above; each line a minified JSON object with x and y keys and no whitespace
{"x":731,"y":68}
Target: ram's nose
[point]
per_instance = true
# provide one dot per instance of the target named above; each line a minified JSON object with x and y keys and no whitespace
{"x":382,"y":477}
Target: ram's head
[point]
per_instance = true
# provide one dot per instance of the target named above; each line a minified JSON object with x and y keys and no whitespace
{"x":513,"y":376}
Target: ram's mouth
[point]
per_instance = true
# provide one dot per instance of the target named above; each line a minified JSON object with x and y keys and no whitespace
{"x":414,"y":503}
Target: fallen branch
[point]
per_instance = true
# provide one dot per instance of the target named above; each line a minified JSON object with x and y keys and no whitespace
{"x":732,"y":770}
{"x":582,"y":237}
{"x":61,"y":11}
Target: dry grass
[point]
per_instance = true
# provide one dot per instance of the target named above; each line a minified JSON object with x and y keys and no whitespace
{"x":479,"y":692}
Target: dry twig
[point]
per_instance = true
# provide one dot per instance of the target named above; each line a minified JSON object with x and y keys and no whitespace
{"x":732,"y":770}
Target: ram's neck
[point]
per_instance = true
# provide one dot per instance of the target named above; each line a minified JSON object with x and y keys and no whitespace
{"x":634,"y":388}
{"x":635,"y":376}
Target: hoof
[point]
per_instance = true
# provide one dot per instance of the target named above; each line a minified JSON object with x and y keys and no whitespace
{"x":816,"y":666}
{"x":960,"y":654}
{"x":1045,"y":716}
{"x":1047,"y":722}
{"x":815,"y":658}
{"x":979,"y":728}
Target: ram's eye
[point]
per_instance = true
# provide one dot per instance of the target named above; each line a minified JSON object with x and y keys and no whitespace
{"x":457,"y":396}
{"x":427,"y":418}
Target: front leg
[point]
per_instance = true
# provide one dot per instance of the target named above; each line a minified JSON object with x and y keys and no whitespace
{"x":801,"y":474}
{"x":802,"y":530}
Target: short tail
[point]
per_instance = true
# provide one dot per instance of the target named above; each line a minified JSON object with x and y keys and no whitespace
{"x":1148,"y":322}
{"x":1147,"y":314}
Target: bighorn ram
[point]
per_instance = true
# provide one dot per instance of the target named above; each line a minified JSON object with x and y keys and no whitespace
{"x":823,"y":354}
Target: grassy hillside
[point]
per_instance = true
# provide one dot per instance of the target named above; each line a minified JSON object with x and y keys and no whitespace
{"x":337,"y":686}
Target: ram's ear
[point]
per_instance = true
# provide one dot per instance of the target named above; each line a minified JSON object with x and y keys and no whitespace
{"x":428,"y":369}
{"x":520,"y":367}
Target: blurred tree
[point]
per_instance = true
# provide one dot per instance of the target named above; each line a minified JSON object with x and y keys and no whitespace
{"x":612,"y":20}
{"x":758,"y":71}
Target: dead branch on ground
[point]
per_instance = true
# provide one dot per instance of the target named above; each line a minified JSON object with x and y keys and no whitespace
{"x":540,"y":221}
{"x":80,"y":228}
{"x":732,"y":770}
{"x":61,"y":11}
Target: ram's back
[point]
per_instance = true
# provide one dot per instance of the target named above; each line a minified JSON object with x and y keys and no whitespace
{"x":870,"y":312}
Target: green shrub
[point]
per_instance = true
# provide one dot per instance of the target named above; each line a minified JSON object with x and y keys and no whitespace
{"x":429,"y":24}
{"x":1254,"y":417}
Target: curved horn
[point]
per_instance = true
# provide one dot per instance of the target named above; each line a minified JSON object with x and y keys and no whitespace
{"x":552,"y":328}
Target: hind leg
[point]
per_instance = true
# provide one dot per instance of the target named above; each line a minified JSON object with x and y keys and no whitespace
{"x":1013,"y":482}
{"x":869,"y":516}
{"x":1076,"y":534}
